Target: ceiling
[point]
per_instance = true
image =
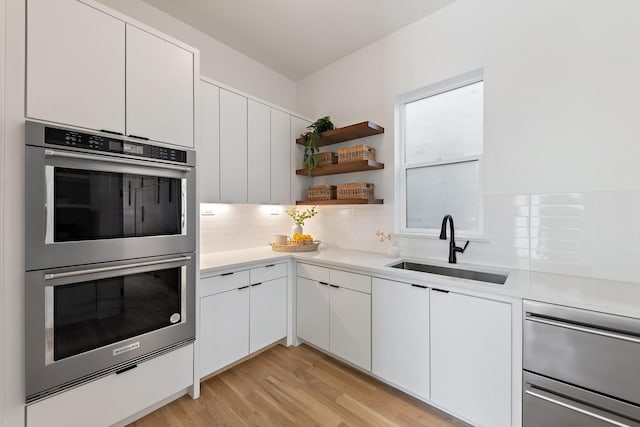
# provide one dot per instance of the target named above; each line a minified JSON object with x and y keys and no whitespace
{"x":298,"y":37}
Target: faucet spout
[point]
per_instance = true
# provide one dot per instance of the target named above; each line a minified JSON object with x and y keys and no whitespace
{"x":452,"y":242}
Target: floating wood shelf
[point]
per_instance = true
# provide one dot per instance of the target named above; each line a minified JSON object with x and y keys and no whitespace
{"x":341,"y":202}
{"x":355,"y":166}
{"x":347,"y":133}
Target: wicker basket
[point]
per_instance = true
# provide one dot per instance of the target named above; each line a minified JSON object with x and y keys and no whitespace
{"x":326,"y":158}
{"x":301,"y":242}
{"x":355,"y":153}
{"x":355,"y":190}
{"x":321,"y":192}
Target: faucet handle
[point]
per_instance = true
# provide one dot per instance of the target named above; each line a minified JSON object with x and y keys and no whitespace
{"x":461,"y":250}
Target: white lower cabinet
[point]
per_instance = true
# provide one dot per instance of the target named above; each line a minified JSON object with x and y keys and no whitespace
{"x":400,"y":335}
{"x":224,"y":329}
{"x":108,"y":400}
{"x":335,"y":315}
{"x":313,"y":312}
{"x":241,"y":312}
{"x":471,"y":357}
{"x":267,"y":313}
{"x":350,"y":325}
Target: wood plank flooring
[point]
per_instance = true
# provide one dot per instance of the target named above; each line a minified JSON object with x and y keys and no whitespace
{"x":296,"y":386}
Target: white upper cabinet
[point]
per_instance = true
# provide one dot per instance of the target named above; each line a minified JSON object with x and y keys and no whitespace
{"x":259,"y":152}
{"x":233,"y":147}
{"x":159,"y":89}
{"x":75,"y":65}
{"x":471,"y":357}
{"x":300,"y":183}
{"x":208,"y":146}
{"x":281,"y":170}
{"x":92,"y":69}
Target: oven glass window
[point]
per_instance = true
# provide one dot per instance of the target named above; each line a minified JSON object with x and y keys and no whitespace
{"x":106,"y":205}
{"x":89,"y":315}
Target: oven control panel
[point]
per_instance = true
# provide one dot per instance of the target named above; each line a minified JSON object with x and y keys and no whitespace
{"x":112,"y":145}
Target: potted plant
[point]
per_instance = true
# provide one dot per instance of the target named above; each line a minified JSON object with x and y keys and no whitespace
{"x":299,"y":217}
{"x":311,"y":137}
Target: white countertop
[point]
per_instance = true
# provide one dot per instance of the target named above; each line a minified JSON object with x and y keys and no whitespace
{"x":622,"y":298}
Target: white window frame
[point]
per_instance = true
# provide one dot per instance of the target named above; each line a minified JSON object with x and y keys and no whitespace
{"x":401,"y":166}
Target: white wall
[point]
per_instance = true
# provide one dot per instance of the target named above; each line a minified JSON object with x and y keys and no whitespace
{"x":13,"y":216}
{"x":218,"y":61}
{"x":561,"y":109}
{"x":2,"y":319}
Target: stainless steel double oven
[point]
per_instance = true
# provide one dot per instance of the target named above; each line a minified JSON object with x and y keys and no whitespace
{"x":110,"y":263}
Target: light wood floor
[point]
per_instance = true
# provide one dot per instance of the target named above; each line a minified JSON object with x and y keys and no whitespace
{"x":296,"y":386}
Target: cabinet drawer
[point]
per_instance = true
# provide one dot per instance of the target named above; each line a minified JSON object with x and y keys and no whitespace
{"x":319,"y":274}
{"x":224,"y":282}
{"x":127,"y":393}
{"x":357,"y":282}
{"x":268,"y":272}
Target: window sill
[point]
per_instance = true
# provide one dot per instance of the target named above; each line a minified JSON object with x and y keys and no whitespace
{"x":435,"y":236}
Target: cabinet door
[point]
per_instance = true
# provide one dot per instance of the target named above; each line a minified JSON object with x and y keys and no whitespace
{"x":259,"y":152}
{"x":268,"y":318}
{"x":313,"y":312}
{"x":400,"y":335}
{"x":233,"y":147}
{"x":160,"y":89}
{"x":224,"y":329}
{"x":209,"y":145}
{"x":75,"y":65}
{"x":350,"y":326}
{"x":299,"y":183}
{"x":471,"y":357}
{"x":280,"y":158}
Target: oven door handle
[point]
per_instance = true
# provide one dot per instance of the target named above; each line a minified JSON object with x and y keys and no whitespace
{"x":56,"y":153}
{"x":51,"y":276}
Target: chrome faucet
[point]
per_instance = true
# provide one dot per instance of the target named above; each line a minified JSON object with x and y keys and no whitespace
{"x":452,"y":243}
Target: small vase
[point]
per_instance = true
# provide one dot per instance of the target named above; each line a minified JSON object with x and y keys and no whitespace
{"x":393,"y":251}
{"x":296,"y":229}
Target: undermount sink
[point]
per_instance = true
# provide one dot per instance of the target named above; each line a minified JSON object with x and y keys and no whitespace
{"x":481,"y":276}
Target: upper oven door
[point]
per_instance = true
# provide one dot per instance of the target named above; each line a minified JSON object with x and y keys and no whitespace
{"x":83,"y":208}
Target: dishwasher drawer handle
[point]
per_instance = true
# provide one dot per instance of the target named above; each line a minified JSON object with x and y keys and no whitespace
{"x":586,"y":329}
{"x":571,"y":407}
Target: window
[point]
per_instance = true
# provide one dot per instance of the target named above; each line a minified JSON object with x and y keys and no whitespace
{"x":439,"y":151}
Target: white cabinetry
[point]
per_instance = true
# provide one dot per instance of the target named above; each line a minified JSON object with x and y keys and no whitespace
{"x":233,"y":147}
{"x":116,"y":397}
{"x":334,"y":312}
{"x":224,"y":330}
{"x":241,"y":312}
{"x":300,"y":184}
{"x":281,"y":148}
{"x":400,"y":335}
{"x":313,"y":312}
{"x":471,"y":357}
{"x":208,"y":147}
{"x":75,"y":65}
{"x":268,"y":313}
{"x":160,"y":87}
{"x":92,"y":69}
{"x":259,"y":152}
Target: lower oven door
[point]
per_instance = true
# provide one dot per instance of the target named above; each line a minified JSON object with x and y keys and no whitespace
{"x":547,"y":402}
{"x":89,"y":321}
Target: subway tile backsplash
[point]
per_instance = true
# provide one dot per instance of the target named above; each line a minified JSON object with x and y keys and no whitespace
{"x":592,"y":234}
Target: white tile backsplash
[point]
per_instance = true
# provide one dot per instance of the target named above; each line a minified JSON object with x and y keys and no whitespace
{"x":589,"y":234}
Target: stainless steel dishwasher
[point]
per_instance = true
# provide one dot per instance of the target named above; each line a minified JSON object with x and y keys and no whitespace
{"x":581,"y":368}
